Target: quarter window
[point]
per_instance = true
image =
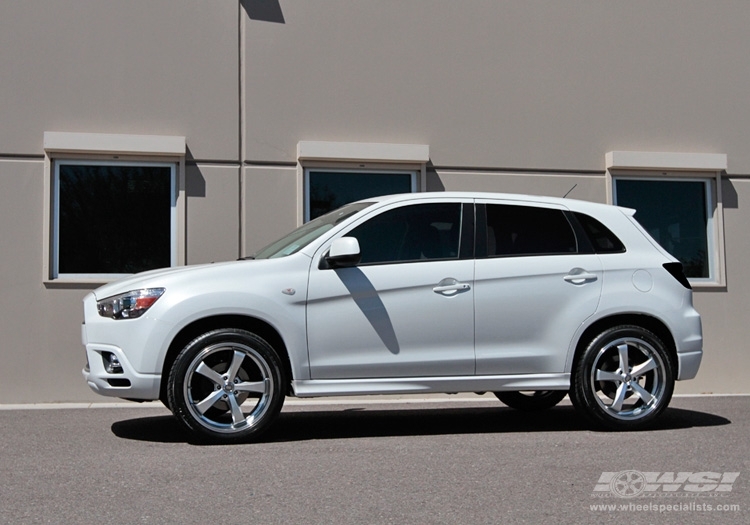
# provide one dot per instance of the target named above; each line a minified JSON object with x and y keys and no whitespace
{"x":113,"y":218}
{"x":602,"y":239}
{"x":676,"y":213}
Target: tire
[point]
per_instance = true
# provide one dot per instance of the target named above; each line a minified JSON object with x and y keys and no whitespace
{"x":532,"y":401}
{"x":227,"y":386}
{"x":624,"y":379}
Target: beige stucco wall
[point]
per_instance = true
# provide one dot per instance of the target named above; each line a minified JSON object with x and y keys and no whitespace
{"x":510,"y":96}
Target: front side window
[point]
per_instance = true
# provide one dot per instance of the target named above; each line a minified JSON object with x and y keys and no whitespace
{"x":113,"y":218}
{"x":676,"y":213}
{"x":417,"y":232}
{"x":327,"y":190}
{"x":514,"y":230}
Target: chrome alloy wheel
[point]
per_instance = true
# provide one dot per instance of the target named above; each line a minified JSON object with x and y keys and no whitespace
{"x":228,"y":387}
{"x":629,"y":379}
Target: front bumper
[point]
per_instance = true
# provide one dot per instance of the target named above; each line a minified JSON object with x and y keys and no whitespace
{"x":126,"y":384}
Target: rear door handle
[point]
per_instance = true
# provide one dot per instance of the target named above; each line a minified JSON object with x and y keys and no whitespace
{"x":450,"y":286}
{"x":580,"y":276}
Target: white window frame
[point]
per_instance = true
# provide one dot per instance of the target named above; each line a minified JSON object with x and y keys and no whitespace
{"x":354,"y":171}
{"x":55,"y":274}
{"x":100,"y":149}
{"x":691,"y":167}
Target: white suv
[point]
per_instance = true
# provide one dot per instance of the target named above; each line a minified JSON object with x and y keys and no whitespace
{"x":529,"y":297}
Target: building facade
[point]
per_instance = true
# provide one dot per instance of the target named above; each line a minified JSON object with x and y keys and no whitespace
{"x":142,"y":134}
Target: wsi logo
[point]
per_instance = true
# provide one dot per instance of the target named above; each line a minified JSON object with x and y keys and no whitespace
{"x":632,"y":483}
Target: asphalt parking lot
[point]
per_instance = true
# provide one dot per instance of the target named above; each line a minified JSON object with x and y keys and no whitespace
{"x":439,"y":460}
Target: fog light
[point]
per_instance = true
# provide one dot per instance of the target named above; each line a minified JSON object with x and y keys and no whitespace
{"x":111,"y":363}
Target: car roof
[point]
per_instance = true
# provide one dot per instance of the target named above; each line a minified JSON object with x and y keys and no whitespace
{"x":516,"y":197}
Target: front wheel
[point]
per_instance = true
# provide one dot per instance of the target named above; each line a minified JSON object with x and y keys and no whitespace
{"x":532,"y":401}
{"x":624,"y":379}
{"x":227,"y":386}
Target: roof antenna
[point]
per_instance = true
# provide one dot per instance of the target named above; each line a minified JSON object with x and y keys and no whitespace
{"x":571,"y":189}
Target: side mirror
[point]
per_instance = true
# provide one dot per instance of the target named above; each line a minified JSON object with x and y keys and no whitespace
{"x":344,"y":252}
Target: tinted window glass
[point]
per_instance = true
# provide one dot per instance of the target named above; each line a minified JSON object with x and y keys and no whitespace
{"x":113,"y":218}
{"x":308,"y":232}
{"x":527,"y":230}
{"x":329,"y":190}
{"x":602,"y":239}
{"x":675,"y":214}
{"x":411,"y":233}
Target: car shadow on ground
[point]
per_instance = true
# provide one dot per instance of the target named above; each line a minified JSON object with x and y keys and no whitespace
{"x":351,"y":423}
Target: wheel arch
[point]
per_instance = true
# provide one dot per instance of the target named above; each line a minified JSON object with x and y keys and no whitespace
{"x":201,"y":326}
{"x":650,"y":323}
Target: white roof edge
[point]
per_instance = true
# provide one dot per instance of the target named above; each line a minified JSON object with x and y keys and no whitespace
{"x":363,"y":151}
{"x":666,"y":161}
{"x":114,"y":143}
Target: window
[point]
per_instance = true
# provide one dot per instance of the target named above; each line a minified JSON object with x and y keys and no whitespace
{"x":328,"y":189}
{"x":600,"y":237}
{"x":677,"y":198}
{"x":112,"y":218}
{"x":331,"y":174}
{"x":526,"y":230}
{"x":411,"y":233}
{"x":676,"y":213}
{"x":308,"y":232}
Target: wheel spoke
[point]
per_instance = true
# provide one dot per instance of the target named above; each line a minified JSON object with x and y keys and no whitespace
{"x":623,"y":351}
{"x":237,"y":415}
{"x":644,"y":394}
{"x":259,"y":387}
{"x":619,"y":397}
{"x":236,"y":363}
{"x":209,"y":401}
{"x":209,"y":373}
{"x":641,"y":369}
{"x":603,"y":375}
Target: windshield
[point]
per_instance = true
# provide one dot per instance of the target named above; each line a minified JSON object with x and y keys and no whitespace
{"x":305,"y":234}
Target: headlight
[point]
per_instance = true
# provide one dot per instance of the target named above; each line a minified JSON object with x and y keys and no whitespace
{"x":129,"y":305}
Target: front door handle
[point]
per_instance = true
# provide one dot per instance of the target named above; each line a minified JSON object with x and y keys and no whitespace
{"x":450,"y":286}
{"x":580,"y":276}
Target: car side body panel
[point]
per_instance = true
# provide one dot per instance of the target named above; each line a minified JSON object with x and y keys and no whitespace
{"x":517,"y":326}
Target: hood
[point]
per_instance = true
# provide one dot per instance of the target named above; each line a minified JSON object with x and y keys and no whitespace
{"x":158,"y":278}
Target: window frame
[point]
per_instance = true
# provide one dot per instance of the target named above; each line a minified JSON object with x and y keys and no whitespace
{"x":689,"y":167}
{"x":55,"y":223}
{"x":105,"y":147}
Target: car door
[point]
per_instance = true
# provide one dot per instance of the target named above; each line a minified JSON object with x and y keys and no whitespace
{"x":407,"y":309}
{"x":535,"y":283}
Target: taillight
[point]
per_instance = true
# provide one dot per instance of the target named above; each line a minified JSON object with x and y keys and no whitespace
{"x":675,"y":269}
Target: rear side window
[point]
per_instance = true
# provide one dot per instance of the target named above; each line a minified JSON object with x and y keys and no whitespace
{"x":527,"y":230}
{"x":601,"y":237}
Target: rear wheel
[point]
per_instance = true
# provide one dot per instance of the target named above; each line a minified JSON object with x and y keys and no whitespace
{"x":532,"y":401}
{"x":227,"y":386}
{"x":624,"y":379}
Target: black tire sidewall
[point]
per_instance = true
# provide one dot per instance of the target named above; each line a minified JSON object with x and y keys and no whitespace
{"x":178,"y":373}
